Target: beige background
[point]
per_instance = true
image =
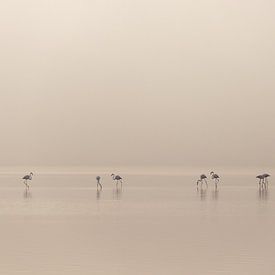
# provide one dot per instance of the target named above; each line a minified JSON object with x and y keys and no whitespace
{"x":137,"y":82}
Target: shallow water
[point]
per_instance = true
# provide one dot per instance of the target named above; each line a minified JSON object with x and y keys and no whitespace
{"x":154,"y":225}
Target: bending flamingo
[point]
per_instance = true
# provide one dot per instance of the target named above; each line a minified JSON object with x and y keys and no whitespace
{"x":203,"y":178}
{"x":117,"y":178}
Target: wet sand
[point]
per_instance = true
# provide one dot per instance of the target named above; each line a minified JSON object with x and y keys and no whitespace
{"x":154,"y":225}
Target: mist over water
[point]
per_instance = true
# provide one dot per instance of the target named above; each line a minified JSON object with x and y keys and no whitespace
{"x":158,"y":92}
{"x":141,"y":83}
{"x":153,"y":225}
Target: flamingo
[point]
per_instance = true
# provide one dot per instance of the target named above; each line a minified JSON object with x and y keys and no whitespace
{"x":266,"y":176}
{"x":261,"y":180}
{"x":26,"y":178}
{"x":117,"y":178}
{"x":98,"y":182}
{"x":215,"y":177}
{"x":203,"y":178}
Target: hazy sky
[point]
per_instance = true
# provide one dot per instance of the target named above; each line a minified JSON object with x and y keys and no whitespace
{"x":139,"y":82}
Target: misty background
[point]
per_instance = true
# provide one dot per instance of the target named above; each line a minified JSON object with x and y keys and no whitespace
{"x":137,"y":82}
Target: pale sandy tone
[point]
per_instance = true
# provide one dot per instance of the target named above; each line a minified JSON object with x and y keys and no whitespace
{"x":157,"y":225}
{"x":137,"y":82}
{"x":133,"y":87}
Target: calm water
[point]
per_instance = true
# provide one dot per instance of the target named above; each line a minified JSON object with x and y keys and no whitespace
{"x":154,"y":225}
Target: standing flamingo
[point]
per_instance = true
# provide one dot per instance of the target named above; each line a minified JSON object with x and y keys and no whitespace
{"x":215,"y":177}
{"x":203,"y":178}
{"x":117,"y":178}
{"x":266,"y":176}
{"x":98,"y":182}
{"x":261,"y":180}
{"x":26,"y":178}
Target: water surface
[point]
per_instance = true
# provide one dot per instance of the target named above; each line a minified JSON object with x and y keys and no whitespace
{"x":153,"y":225}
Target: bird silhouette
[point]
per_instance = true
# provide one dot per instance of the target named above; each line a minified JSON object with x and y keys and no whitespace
{"x":26,"y":178}
{"x":117,"y":178}
{"x":203,"y":178}
{"x":215,"y":177}
{"x":261,"y":180}
{"x":266,"y":176}
{"x":98,"y":182}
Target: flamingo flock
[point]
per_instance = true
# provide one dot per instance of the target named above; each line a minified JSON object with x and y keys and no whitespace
{"x":116,"y":178}
{"x":203,"y":179}
{"x":263,"y":180}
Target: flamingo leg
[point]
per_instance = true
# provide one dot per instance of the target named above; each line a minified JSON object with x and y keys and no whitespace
{"x":198,"y":182}
{"x":97,"y":194}
{"x":266,"y":183}
{"x":98,"y":184}
{"x":25,"y":182}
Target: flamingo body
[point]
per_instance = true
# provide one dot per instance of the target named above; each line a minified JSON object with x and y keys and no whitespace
{"x":215,"y":177}
{"x":98,"y":182}
{"x":26,"y":178}
{"x":117,"y":178}
{"x":263,"y":180}
{"x":203,"y":178}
